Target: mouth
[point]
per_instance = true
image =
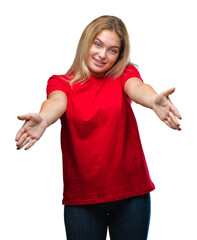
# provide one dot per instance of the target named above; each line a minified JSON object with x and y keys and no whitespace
{"x":99,"y":63}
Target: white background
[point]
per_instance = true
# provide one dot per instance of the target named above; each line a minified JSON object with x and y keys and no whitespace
{"x":38,"y":39}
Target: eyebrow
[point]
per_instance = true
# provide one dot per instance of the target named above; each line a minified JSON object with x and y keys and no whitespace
{"x":104,"y":44}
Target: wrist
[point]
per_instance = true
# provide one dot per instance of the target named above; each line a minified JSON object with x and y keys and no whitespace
{"x":44,"y":119}
{"x":153,"y":101}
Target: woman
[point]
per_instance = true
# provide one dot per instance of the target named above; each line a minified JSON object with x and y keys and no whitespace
{"x":106,"y":179}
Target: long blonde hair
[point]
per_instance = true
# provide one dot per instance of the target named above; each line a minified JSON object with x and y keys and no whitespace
{"x":79,"y":70}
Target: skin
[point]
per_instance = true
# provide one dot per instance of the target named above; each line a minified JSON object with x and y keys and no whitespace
{"x":103,"y":52}
{"x":102,"y":55}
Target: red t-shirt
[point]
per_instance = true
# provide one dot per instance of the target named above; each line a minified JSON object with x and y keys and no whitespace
{"x":103,"y":159}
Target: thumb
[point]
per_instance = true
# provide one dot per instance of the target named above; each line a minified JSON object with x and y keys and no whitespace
{"x":24,"y":117}
{"x":168,"y":92}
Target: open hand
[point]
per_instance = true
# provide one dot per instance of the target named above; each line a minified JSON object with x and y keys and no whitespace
{"x":31,"y":131}
{"x":165,"y":109}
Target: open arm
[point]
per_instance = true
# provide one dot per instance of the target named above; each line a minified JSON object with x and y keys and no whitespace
{"x":36,"y":123}
{"x":146,"y":96}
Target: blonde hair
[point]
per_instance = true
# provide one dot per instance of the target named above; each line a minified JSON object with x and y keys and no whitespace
{"x":79,"y":70}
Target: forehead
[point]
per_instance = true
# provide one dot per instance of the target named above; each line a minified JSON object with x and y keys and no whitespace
{"x":109,"y":38}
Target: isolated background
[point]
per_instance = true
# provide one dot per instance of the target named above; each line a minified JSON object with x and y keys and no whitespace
{"x":38,"y":39}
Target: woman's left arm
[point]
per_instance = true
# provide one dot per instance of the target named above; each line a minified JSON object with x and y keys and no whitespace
{"x":146,"y":96}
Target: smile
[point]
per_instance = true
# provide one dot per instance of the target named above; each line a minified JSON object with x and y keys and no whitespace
{"x":98,"y":62}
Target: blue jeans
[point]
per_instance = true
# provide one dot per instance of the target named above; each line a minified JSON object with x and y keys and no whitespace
{"x":127,"y":219}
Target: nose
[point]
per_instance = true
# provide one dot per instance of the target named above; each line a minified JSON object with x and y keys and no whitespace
{"x":102,"y":53}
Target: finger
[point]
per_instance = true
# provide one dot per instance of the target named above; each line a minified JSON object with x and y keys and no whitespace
{"x":31,"y":143}
{"x":21,"y":140}
{"x":175,"y":111}
{"x":168,"y":92}
{"x":27,"y":140}
{"x":174,"y":121}
{"x":22,"y":130}
{"x":19,"y":134}
{"x":171,"y":124}
{"x":24,"y":117}
{"x":167,"y":123}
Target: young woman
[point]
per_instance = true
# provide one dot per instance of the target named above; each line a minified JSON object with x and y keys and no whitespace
{"x":106,"y":179}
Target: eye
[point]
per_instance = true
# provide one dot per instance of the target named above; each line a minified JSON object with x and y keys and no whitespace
{"x":113,"y":50}
{"x":97,"y":44}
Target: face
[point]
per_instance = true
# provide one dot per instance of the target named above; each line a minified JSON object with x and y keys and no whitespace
{"x":103,"y":52}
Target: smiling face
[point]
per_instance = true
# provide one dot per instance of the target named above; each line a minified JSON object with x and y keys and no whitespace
{"x":103,"y":52}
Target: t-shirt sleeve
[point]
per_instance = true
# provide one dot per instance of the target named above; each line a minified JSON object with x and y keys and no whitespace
{"x":130,"y":72}
{"x":57,"y":83}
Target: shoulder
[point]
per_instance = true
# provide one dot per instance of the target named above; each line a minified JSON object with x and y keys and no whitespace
{"x":63,"y":78}
{"x":130,"y":71}
{"x":59,"y":79}
{"x":58,"y":82}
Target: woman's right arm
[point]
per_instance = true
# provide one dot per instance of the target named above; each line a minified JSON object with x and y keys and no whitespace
{"x":36,"y":123}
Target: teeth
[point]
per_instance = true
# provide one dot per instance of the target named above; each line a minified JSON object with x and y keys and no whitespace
{"x":99,"y":61}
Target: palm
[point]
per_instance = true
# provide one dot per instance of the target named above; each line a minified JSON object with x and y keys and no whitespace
{"x":165,"y":109}
{"x":31,"y":131}
{"x":33,"y":123}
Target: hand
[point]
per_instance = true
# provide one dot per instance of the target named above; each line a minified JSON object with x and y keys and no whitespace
{"x":31,"y":131}
{"x":165,"y":109}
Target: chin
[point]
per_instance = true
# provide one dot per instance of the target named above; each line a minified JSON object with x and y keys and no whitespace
{"x":97,"y":72}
